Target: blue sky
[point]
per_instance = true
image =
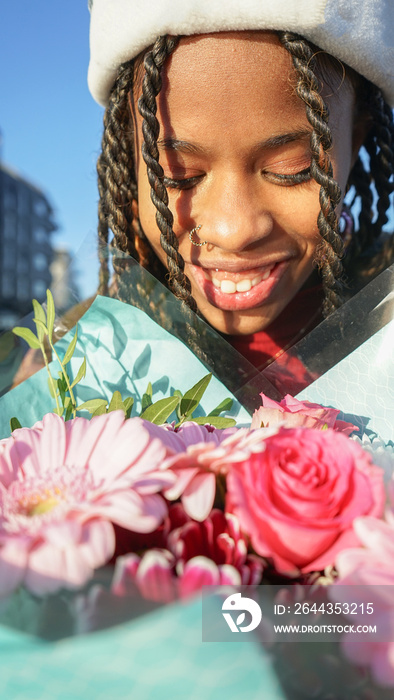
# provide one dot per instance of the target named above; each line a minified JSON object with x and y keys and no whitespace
{"x":51,"y":127}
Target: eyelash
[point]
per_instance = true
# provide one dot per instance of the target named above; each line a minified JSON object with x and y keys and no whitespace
{"x":289,"y":180}
{"x":284,"y":180}
{"x":185,"y":184}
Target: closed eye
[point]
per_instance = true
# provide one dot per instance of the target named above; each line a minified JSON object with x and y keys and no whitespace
{"x":182,"y":184}
{"x":290,"y":179}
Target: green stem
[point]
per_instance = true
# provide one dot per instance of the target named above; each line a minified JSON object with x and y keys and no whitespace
{"x":51,"y":379}
{"x":65,"y":375}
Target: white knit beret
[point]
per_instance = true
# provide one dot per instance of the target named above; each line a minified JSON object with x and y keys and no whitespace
{"x":358,"y":32}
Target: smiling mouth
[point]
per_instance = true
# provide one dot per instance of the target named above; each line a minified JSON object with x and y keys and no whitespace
{"x":237,"y":291}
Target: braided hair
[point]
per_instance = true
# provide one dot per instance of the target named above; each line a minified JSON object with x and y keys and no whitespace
{"x":118,"y":187}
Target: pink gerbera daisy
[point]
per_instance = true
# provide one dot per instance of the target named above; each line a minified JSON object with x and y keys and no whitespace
{"x":62,"y":485}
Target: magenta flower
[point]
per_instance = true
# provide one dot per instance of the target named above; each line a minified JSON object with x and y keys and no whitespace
{"x":292,"y":413}
{"x":62,"y":485}
{"x":193,"y":555}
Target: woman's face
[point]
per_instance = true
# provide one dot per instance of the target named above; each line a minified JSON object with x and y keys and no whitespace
{"x":232,"y":133}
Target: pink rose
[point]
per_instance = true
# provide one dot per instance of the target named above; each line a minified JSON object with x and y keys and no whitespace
{"x":296,"y":414}
{"x":297,"y":498}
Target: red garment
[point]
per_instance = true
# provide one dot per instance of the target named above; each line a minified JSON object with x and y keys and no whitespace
{"x":299,"y":317}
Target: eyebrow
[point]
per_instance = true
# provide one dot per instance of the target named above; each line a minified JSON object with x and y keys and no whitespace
{"x":180,"y":146}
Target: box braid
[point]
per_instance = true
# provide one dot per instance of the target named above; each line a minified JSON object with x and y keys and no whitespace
{"x":117,"y":183}
{"x":151,"y":86}
{"x":332,"y":249}
{"x":379,"y":148}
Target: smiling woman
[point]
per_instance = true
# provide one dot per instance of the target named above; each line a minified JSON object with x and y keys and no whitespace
{"x":227,"y":156}
{"x":249,"y":189}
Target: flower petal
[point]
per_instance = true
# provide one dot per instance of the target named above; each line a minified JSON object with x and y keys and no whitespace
{"x":198,"y":497}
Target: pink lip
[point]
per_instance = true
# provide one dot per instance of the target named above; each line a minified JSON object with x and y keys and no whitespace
{"x":239,"y":301}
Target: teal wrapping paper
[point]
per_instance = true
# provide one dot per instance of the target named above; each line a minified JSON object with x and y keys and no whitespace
{"x":157,"y":657}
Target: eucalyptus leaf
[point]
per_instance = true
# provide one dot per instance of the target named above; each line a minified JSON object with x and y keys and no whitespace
{"x":14,"y":424}
{"x":80,"y":374}
{"x":70,"y":350}
{"x":39,"y":314}
{"x":216,"y":421}
{"x":128,"y":404}
{"x":28,"y":336}
{"x":225,"y":405}
{"x":116,"y":402}
{"x":159,"y":411}
{"x":193,"y":396}
{"x":92,"y":405}
{"x":50,"y":313}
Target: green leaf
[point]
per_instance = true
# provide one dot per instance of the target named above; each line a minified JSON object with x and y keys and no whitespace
{"x":61,"y":384}
{"x":70,"y":350}
{"x":51,"y":389}
{"x":69,"y":411}
{"x":159,"y":411}
{"x":176,"y":392}
{"x":39,"y":314}
{"x":216,"y":421}
{"x":116,"y":402}
{"x":41,"y":325}
{"x":193,"y":396}
{"x":59,"y":411}
{"x":128,"y":404}
{"x":27,"y":335}
{"x":80,"y":374}
{"x":99,"y":411}
{"x":224,"y":405}
{"x":14,"y":424}
{"x":50,"y":313}
{"x":92,"y":405}
{"x":146,"y":398}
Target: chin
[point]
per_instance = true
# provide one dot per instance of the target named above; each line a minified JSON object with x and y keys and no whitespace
{"x":237,"y":322}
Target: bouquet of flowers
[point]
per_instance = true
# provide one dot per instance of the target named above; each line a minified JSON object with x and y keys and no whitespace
{"x":173,"y":501}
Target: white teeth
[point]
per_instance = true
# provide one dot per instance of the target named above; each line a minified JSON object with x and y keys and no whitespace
{"x":244,"y":286}
{"x":228,"y":286}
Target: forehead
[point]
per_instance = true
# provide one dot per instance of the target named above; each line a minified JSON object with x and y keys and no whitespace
{"x":227,"y":63}
{"x":230,"y":77}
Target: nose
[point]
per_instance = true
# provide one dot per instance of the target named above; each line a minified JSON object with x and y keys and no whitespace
{"x":235,"y":215}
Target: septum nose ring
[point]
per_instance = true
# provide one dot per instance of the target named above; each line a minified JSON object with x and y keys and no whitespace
{"x":191,"y":234}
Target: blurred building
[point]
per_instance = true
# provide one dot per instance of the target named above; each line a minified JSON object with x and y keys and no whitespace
{"x":63,"y":287}
{"x":26,"y":225}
